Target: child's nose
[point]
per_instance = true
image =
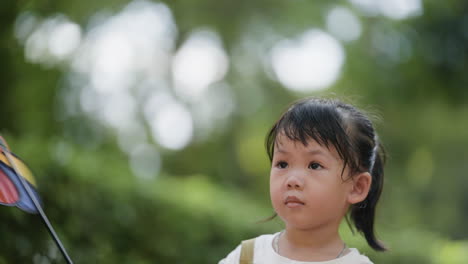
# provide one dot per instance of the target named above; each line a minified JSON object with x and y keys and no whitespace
{"x":294,"y":182}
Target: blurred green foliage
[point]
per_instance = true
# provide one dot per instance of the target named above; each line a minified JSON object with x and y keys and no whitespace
{"x":209,"y":196}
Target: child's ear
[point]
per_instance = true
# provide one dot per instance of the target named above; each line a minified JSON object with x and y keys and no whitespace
{"x":361,"y":184}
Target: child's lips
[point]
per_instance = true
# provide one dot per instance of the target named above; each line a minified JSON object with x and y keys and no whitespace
{"x":293,"y":202}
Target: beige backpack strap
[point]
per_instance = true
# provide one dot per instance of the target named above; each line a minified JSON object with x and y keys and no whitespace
{"x":247,"y":251}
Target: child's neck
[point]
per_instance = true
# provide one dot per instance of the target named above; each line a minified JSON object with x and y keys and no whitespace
{"x":311,"y":245}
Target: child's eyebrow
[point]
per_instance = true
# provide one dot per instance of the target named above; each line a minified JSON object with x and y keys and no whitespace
{"x":316,"y":152}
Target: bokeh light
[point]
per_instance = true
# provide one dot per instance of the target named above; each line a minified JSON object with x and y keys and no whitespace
{"x":400,"y":9}
{"x":343,"y":24}
{"x":172,"y":126}
{"x":199,"y":62}
{"x":394,"y":9}
{"x":145,"y":161}
{"x":309,"y":62}
{"x":48,"y":41}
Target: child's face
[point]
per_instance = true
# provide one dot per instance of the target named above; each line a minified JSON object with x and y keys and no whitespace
{"x":306,"y":187}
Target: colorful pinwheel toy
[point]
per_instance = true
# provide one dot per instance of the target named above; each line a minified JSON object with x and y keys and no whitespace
{"x":18,"y":188}
{"x":12,"y":192}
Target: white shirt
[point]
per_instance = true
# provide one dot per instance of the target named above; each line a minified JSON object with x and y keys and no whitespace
{"x":264,"y":253}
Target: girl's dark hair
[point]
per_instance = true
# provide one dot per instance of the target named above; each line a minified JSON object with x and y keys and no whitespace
{"x":332,"y":122}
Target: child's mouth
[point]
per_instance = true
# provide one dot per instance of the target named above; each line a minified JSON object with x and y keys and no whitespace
{"x":293,"y":202}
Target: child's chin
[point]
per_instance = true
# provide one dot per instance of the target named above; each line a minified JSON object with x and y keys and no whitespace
{"x":300,"y":223}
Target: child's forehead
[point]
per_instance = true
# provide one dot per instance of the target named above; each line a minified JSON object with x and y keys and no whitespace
{"x":283,"y":140}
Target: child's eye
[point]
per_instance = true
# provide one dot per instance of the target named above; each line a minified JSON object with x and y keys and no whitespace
{"x":282,"y":164}
{"x":315,"y":166}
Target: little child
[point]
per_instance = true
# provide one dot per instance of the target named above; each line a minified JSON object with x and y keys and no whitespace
{"x":326,"y":162}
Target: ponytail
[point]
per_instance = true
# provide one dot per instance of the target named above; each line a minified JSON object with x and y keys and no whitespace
{"x":363,"y":213}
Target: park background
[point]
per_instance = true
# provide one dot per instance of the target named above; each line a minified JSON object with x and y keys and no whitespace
{"x":144,"y":121}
